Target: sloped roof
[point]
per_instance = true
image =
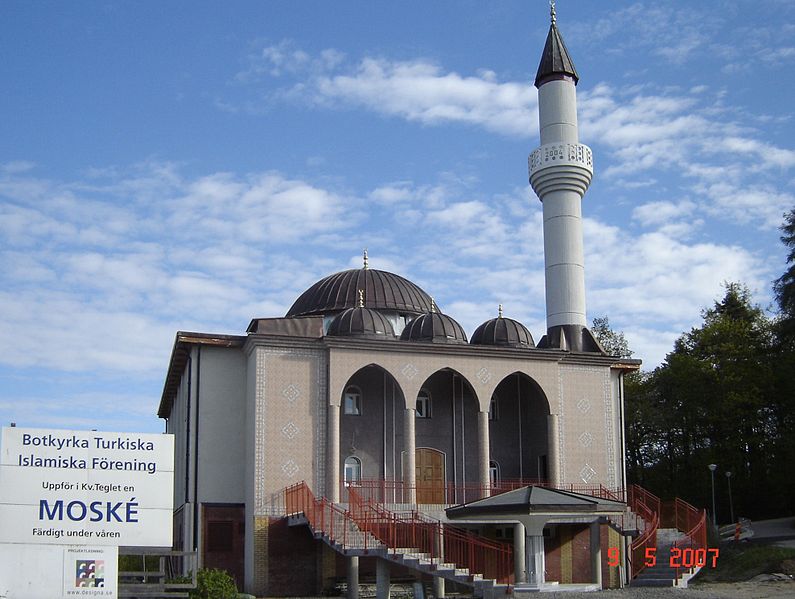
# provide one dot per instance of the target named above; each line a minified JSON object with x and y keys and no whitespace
{"x":555,"y":60}
{"x":528,"y":500}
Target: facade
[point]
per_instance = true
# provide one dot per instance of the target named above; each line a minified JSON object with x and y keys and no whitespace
{"x":366,"y":383}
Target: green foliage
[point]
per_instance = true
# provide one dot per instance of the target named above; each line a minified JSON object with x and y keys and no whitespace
{"x":214,"y":584}
{"x":135,"y":563}
{"x":724,"y":395}
{"x":784,"y":286}
{"x":614,"y":342}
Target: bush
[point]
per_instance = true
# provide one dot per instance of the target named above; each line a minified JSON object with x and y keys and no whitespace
{"x":214,"y":584}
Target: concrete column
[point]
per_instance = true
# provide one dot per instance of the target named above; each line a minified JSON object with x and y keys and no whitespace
{"x":410,"y":457}
{"x":519,"y":560}
{"x":534,"y":549}
{"x":333,"y":454}
{"x":483,"y":452}
{"x":438,"y":587}
{"x":438,"y":547}
{"x":553,"y":450}
{"x":382,"y":581}
{"x":596,"y":553}
{"x":353,"y":577}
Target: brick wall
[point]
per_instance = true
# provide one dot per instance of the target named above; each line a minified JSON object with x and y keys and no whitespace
{"x":292,"y":560}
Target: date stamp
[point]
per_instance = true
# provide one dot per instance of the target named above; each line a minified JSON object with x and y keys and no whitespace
{"x":686,"y":557}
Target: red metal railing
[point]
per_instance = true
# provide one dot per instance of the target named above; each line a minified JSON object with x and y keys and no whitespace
{"x":326,"y":517}
{"x":693,"y":523}
{"x":396,"y":491}
{"x":367,"y":524}
{"x":439,"y":543}
{"x":647,"y":506}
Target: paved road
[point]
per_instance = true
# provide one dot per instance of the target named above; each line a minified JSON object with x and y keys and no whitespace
{"x":780,"y":531}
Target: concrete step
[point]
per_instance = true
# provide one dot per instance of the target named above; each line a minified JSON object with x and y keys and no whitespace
{"x":652,"y":582}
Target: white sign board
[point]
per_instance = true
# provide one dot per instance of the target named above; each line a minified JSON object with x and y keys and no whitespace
{"x":58,"y":572}
{"x":86,"y":487}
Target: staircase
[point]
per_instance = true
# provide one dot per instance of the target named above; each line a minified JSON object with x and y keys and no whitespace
{"x":408,"y":540}
{"x":662,"y":574}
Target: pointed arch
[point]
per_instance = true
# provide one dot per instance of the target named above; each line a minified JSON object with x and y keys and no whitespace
{"x":370,"y":425}
{"x":452,"y":427}
{"x":519,"y":434}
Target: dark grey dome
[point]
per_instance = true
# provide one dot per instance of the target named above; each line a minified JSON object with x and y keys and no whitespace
{"x":361,"y":322}
{"x":434,"y":327}
{"x":382,"y":290}
{"x":504,"y":332}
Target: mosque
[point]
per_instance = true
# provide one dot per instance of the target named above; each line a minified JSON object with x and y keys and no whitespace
{"x":366,"y":388}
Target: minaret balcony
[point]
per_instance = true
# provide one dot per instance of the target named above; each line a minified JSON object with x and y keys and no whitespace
{"x":560,"y":166}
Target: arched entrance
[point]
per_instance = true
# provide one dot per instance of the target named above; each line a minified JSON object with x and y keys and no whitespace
{"x":518,"y":434}
{"x":446,"y":421}
{"x":372,"y":409}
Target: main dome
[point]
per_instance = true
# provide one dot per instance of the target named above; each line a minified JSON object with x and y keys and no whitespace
{"x":382,"y":291}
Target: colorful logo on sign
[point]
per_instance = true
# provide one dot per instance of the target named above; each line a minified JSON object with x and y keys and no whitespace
{"x":89,"y":573}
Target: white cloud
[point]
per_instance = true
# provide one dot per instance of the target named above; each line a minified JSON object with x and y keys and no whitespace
{"x":657,"y":278}
{"x":17,"y":166}
{"x":661,"y":213}
{"x":421,"y":91}
{"x":416,"y":90}
{"x":641,"y":134}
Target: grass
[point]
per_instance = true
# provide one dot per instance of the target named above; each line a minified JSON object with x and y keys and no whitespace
{"x":739,"y":562}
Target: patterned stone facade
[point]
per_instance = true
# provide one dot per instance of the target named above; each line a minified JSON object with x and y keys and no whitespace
{"x":290,"y":418}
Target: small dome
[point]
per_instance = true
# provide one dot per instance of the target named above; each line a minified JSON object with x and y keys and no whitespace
{"x":383,"y":290}
{"x":504,"y":332}
{"x":434,"y":327}
{"x":361,"y":322}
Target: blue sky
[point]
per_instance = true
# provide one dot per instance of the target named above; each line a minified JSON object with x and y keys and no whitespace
{"x":172,"y":166}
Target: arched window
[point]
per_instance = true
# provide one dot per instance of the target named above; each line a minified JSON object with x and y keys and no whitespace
{"x":352,"y":401}
{"x":494,"y":473}
{"x":353,"y":471}
{"x":494,"y":408}
{"x":423,"y":405}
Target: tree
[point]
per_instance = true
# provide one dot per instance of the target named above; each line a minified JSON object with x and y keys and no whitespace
{"x":717,"y":402}
{"x":784,"y":286}
{"x":614,"y":342}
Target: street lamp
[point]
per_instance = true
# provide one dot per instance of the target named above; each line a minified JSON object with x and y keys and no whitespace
{"x":731,"y":504}
{"x":712,"y":468}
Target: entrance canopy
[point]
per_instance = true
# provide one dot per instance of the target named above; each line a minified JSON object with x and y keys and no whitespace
{"x":536,"y":506}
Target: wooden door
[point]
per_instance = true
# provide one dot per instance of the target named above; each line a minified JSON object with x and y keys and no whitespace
{"x":223,"y":539}
{"x":430,"y":476}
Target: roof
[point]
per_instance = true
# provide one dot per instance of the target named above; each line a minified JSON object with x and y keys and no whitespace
{"x":382,"y":291}
{"x":502,"y":331}
{"x":179,"y":358}
{"x":533,"y":499}
{"x":555,"y":60}
{"x":434,"y":327}
{"x":361,"y":322}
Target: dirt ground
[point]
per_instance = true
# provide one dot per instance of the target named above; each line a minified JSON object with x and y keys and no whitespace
{"x":724,"y":590}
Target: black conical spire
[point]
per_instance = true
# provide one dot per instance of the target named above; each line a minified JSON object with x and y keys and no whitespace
{"x":555,"y":61}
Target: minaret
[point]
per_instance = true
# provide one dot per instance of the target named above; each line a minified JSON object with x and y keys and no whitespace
{"x":560,"y":172}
